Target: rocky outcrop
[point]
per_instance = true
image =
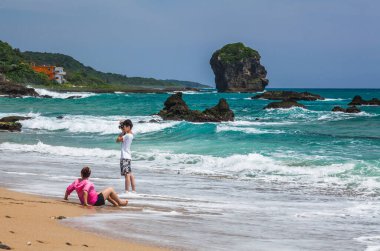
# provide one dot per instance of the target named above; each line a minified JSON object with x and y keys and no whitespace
{"x":16,"y":90}
{"x":288,"y":95}
{"x":237,"y":68}
{"x":10,"y":126}
{"x":14,"y":118}
{"x":351,"y":109}
{"x":357,"y":100}
{"x":11,"y":123}
{"x":177,"y":109}
{"x":285,"y":104}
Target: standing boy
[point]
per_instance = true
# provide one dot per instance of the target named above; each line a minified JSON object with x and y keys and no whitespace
{"x":126,"y":137}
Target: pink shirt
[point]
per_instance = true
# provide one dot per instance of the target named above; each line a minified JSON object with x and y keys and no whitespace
{"x":82,"y":185}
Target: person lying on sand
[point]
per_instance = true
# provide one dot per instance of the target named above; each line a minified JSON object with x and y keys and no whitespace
{"x":87,"y":194}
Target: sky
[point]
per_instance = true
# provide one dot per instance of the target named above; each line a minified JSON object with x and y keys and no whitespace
{"x":302,"y":43}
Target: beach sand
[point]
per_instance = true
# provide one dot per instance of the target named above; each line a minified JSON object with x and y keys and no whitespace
{"x":29,"y":222}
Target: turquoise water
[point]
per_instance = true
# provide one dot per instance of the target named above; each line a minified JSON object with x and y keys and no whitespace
{"x":312,"y":152}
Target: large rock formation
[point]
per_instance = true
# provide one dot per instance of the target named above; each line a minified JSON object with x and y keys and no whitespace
{"x":357,"y":100}
{"x":288,"y":95}
{"x":177,"y":109}
{"x":237,"y":68}
{"x":285,"y":104}
{"x":351,"y":109}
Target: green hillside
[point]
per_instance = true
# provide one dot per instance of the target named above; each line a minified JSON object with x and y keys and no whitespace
{"x":15,"y":65}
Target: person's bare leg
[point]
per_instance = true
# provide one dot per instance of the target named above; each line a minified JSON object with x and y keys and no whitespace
{"x":112,"y":201}
{"x":127,"y":182}
{"x":133,"y":184}
{"x":109,"y":193}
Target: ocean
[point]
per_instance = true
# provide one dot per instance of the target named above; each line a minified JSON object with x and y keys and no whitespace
{"x":286,"y":179}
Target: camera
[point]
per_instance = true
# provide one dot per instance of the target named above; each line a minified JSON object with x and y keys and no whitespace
{"x":121,"y":125}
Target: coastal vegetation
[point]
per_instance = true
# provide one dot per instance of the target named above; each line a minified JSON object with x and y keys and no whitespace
{"x":16,"y":66}
{"x":237,"y":52}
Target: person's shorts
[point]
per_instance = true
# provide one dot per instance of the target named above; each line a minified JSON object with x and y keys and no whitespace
{"x":100,"y":201}
{"x":125,"y":166}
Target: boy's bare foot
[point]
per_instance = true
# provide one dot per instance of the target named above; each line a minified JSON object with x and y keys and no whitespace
{"x":134,"y":191}
{"x":123,"y":203}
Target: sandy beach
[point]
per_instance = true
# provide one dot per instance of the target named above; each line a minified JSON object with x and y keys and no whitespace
{"x":30,"y":222}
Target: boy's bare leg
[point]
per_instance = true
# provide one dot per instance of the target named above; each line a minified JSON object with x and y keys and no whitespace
{"x":109,"y":193}
{"x":127,"y":182}
{"x":133,"y":182}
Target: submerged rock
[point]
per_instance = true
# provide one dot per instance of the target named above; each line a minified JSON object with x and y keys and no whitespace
{"x":351,"y":109}
{"x":74,"y":97}
{"x":177,"y":109}
{"x":288,"y":95}
{"x":285,"y":104}
{"x":357,"y":100}
{"x":237,"y":68}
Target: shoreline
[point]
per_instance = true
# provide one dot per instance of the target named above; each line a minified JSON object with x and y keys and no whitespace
{"x":30,"y":222}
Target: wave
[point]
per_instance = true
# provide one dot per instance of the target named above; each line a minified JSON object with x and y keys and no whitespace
{"x":332,"y":99}
{"x":63,"y":95}
{"x":95,"y":124}
{"x":249,"y":130}
{"x":341,"y":177}
{"x":59,"y":150}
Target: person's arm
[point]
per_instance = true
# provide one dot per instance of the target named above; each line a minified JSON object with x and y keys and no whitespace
{"x":120,"y":138}
{"x":66,"y":195}
{"x":69,"y":190}
{"x":85,"y":198}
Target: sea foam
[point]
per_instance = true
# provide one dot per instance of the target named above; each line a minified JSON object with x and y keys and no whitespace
{"x":94,"y":124}
{"x":63,"y":95}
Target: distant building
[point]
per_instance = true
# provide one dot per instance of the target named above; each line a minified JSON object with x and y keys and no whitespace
{"x":53,"y":72}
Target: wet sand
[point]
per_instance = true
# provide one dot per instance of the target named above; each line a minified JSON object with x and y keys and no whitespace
{"x":31,"y":222}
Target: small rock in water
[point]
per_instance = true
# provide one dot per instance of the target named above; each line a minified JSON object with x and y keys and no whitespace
{"x":59,"y":117}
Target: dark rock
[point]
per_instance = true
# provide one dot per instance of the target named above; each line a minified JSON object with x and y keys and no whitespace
{"x":288,"y":95}
{"x":351,"y":109}
{"x":338,"y":109}
{"x":285,"y":104}
{"x":357,"y":100}
{"x":141,"y":122}
{"x":237,"y":68}
{"x":14,"y":118}
{"x":10,"y":126}
{"x":16,"y":90}
{"x":176,"y":109}
{"x":60,"y":117}
{"x":220,"y":112}
{"x":74,"y":97}
{"x":154,"y":121}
